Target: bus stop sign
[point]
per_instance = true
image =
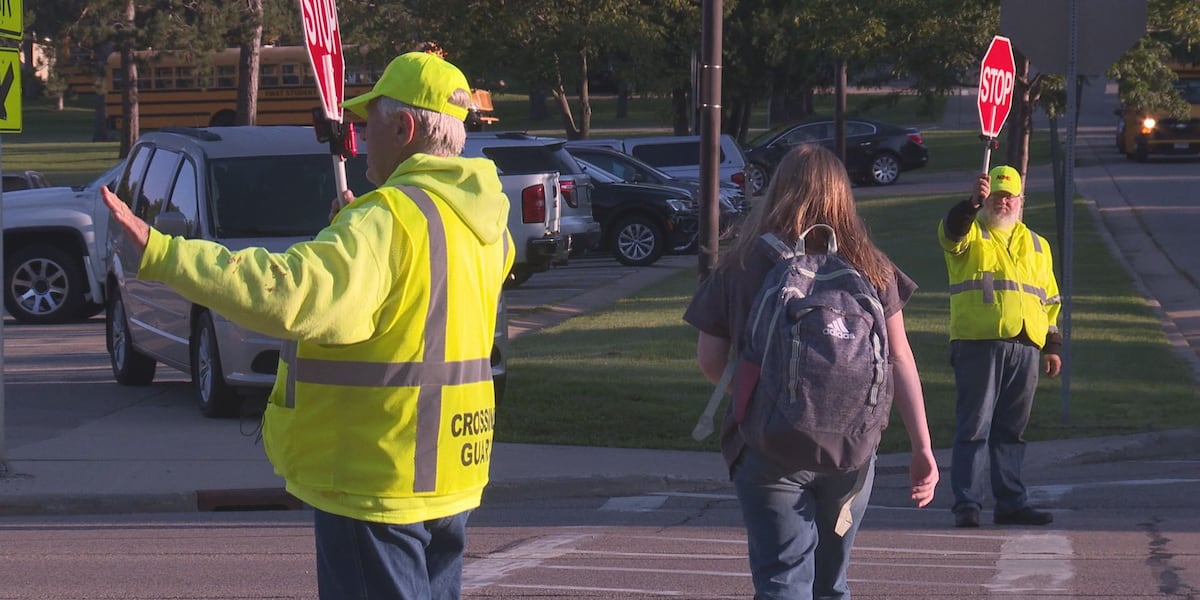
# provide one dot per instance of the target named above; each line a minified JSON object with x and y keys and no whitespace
{"x":324,"y":41}
{"x":996,"y":78}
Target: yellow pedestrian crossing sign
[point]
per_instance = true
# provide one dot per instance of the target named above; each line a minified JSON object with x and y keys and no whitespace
{"x":12,"y":19}
{"x":10,"y":90}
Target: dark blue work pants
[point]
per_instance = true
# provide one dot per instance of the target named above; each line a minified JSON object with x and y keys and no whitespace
{"x":996,"y":381}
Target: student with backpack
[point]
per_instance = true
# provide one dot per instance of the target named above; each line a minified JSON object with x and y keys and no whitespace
{"x":813,"y":311}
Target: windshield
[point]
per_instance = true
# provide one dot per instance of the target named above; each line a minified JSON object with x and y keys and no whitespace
{"x":598,"y":174}
{"x":277,"y":196}
{"x":762,"y":138}
{"x":1189,"y":88}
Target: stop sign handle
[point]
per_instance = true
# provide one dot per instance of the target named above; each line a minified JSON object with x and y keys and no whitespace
{"x":989,"y":144}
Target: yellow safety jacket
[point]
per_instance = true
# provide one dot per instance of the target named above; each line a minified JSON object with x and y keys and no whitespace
{"x":997,"y":290}
{"x":383,"y":407}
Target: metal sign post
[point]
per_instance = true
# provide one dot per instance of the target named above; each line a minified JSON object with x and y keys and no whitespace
{"x":12,"y":25}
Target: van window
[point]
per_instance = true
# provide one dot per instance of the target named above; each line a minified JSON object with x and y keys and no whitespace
{"x":160,"y":176}
{"x":271,"y":196}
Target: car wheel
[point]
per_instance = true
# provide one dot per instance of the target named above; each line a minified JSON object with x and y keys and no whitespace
{"x":1141,"y":151}
{"x":756,"y":179}
{"x":885,"y":169}
{"x":44,"y":284}
{"x":129,"y":366}
{"x":516,"y":277}
{"x":217,"y":398}
{"x":637,"y":242}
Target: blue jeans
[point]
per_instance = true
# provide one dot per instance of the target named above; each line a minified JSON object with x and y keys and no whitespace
{"x":795,"y":553}
{"x":357,"y":560}
{"x":996,"y":381}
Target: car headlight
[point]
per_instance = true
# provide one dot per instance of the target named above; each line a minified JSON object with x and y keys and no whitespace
{"x":679,"y":205}
{"x":1149,"y":123}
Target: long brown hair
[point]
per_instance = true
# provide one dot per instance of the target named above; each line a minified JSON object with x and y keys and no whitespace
{"x":810,"y":186}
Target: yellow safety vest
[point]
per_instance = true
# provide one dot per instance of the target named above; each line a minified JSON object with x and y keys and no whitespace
{"x":998,"y":290}
{"x":398,"y":428}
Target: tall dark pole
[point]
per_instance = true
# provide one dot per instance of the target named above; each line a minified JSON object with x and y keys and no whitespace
{"x":710,"y":132}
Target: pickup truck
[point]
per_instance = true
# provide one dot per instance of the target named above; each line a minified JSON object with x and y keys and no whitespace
{"x":54,"y":260}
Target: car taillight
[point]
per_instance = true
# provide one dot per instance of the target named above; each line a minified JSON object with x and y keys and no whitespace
{"x":740,"y":179}
{"x":568,"y":186}
{"x":533,"y":204}
{"x":916,"y":137}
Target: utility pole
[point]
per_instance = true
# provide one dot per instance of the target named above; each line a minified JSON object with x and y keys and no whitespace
{"x":710,"y":134}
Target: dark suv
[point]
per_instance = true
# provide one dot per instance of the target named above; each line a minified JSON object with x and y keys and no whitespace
{"x":240,"y":186}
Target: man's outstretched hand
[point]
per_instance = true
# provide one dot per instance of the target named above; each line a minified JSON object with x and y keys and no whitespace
{"x":137,"y":229}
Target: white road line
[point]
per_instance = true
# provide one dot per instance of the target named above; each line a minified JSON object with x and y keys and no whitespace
{"x":486,"y":571}
{"x":580,"y":588}
{"x":1050,"y":493}
{"x":696,"y":495}
{"x":638,"y":504}
{"x":668,"y":538}
{"x":661,"y":555}
{"x":741,"y":574}
{"x":1032,"y":563}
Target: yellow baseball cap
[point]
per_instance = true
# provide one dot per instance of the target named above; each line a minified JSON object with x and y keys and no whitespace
{"x":1005,"y":179}
{"x":419,"y":79}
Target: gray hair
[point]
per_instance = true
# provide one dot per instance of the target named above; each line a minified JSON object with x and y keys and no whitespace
{"x":437,"y":133}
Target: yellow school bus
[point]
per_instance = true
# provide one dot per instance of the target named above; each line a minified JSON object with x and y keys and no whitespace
{"x":1143,"y":132}
{"x":175,"y":93}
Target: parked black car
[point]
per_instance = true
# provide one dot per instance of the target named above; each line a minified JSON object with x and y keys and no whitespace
{"x":640,"y":222}
{"x":876,"y":152}
{"x":634,"y":170}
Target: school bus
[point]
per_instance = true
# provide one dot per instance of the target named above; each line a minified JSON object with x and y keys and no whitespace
{"x":173,"y":92}
{"x":1142,"y":131}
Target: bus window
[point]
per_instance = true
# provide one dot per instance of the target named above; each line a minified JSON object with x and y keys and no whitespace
{"x":163,"y":77}
{"x":184,"y":79}
{"x":226,"y":76}
{"x":268,"y":75}
{"x":290,"y":74}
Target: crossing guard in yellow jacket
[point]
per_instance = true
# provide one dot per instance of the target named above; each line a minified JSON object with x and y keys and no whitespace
{"x":382,"y":413}
{"x":1004,"y":307}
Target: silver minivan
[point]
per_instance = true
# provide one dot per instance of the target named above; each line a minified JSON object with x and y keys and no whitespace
{"x":240,"y":186}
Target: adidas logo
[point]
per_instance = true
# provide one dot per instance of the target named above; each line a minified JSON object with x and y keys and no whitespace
{"x":837,"y":329}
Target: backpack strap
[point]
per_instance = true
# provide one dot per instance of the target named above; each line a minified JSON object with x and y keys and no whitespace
{"x":778,"y":250}
{"x":704,"y":425}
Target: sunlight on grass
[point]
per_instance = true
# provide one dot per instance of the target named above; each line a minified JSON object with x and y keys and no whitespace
{"x":626,"y":376}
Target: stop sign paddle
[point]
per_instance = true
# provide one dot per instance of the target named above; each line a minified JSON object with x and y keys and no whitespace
{"x":996,"y":77}
{"x":324,"y":40}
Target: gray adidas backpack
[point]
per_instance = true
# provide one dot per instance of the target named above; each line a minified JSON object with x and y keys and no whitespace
{"x":812,"y":387}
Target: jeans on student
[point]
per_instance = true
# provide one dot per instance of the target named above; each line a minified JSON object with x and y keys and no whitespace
{"x":790,"y":519}
{"x":368,"y":561}
{"x":996,"y":381}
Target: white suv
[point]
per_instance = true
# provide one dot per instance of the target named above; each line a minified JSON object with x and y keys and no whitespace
{"x":241,"y":186}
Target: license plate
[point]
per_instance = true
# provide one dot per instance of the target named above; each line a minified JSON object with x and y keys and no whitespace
{"x":1182,"y":146}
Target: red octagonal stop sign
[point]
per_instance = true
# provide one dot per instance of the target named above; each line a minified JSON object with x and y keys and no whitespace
{"x":996,"y":86}
{"x":324,"y":40}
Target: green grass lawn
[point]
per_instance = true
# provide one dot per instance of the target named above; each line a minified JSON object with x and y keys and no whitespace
{"x":627,"y":376}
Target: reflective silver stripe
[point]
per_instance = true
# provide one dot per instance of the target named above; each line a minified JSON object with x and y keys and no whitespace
{"x":987,"y":235}
{"x":400,"y":374}
{"x":989,"y":285}
{"x":288,"y":355}
{"x":1055,"y":299}
{"x":1037,"y":244}
{"x":429,"y":398}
